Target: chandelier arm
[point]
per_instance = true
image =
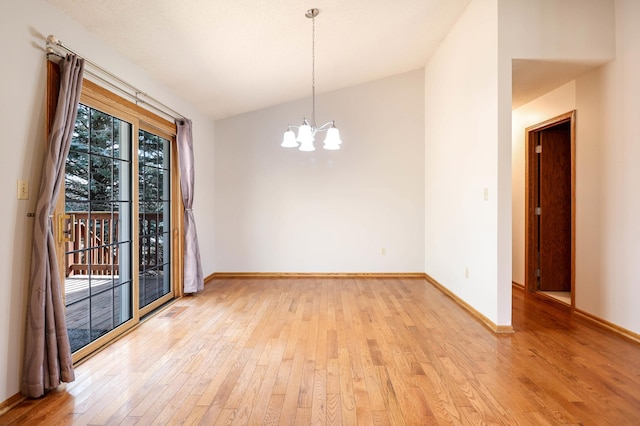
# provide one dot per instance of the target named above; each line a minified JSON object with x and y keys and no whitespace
{"x":325,"y":126}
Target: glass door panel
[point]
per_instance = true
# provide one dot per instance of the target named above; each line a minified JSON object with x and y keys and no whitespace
{"x":98,"y":227}
{"x":154,"y":192}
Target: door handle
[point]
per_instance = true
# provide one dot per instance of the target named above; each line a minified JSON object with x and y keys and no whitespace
{"x":65,"y":234}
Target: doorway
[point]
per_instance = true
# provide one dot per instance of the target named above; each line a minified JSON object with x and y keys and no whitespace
{"x":550,"y":208}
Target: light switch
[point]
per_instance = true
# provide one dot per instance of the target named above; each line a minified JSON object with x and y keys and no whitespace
{"x":23,"y":189}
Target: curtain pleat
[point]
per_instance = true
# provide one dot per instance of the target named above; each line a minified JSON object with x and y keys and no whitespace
{"x":193,"y":277}
{"x":47,"y":356}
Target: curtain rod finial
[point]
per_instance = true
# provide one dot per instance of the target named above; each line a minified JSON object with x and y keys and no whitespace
{"x":53,"y":39}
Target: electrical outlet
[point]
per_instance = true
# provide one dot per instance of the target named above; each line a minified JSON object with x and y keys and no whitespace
{"x":383,"y":251}
{"x":486,"y":194}
{"x":466,"y":273}
{"x":23,"y":189}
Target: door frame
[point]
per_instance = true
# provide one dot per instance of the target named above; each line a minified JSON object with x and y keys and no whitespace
{"x":111,"y":335}
{"x":531,"y":177}
{"x":98,"y":97}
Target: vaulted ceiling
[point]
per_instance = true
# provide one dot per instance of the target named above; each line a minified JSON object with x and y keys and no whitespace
{"x":232,"y":56}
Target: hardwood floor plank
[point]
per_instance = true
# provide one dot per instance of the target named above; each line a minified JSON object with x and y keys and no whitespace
{"x":374,"y":384}
{"x":363,"y":405}
{"x":380,"y":418}
{"x":261,"y":404}
{"x":305,"y":389}
{"x":180,"y":408}
{"x":113,"y":404}
{"x":390,"y":393}
{"x":164,"y":396}
{"x":37,"y":411}
{"x":292,"y":392}
{"x":225,"y":377}
{"x":417,"y":398}
{"x":196,"y":414}
{"x":333,"y":377}
{"x":244,"y":409}
{"x":274,"y":410}
{"x":282,"y":379}
{"x":348,"y":351}
{"x":439,"y":395}
{"x":334,"y":411}
{"x":319,"y":400}
{"x":227,"y":417}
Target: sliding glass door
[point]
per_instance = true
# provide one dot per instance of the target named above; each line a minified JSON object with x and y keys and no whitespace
{"x":114,"y":225}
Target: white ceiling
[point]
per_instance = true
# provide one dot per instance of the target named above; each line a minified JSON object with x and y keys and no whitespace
{"x":534,"y":78}
{"x":232,"y":56}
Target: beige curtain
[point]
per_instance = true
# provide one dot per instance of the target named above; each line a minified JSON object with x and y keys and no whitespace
{"x":47,"y":356}
{"x":193,"y":278}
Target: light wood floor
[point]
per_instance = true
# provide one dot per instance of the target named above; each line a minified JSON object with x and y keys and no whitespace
{"x":348,"y":351}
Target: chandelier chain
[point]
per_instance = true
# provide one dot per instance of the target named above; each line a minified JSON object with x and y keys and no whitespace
{"x":313,"y":71}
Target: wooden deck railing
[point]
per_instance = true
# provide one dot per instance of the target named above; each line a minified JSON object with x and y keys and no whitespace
{"x":101,"y":230}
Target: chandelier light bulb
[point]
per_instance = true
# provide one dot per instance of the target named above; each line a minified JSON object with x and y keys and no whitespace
{"x":332,"y":142}
{"x":307,"y":144}
{"x":304,"y":133}
{"x":289,"y":139}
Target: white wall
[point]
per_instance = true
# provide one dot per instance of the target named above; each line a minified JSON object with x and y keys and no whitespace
{"x":608,"y":199}
{"x":557,"y":29}
{"x":607,"y":150}
{"x":24,"y":25}
{"x":571,"y":30}
{"x":461,"y":160}
{"x":468,"y":133}
{"x":552,"y":104}
{"x":282,"y":210}
{"x":568,"y":30}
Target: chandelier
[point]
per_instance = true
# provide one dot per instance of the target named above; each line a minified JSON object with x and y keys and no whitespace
{"x":307,"y":130}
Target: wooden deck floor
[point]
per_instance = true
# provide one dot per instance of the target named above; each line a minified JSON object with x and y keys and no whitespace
{"x":87,"y":321}
{"x":348,"y":351}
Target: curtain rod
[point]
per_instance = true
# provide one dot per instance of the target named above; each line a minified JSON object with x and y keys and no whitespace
{"x":162,"y":108}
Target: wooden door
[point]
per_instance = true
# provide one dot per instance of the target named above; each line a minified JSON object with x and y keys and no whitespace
{"x":554,"y":175}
